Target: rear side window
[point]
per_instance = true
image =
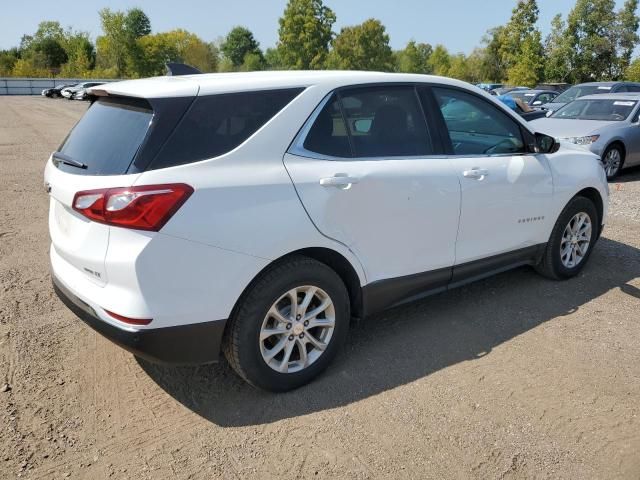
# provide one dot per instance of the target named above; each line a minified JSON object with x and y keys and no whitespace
{"x":385,"y":122}
{"x":371,"y":122}
{"x":328,"y":135}
{"x":216,"y":124}
{"x":108,"y":136}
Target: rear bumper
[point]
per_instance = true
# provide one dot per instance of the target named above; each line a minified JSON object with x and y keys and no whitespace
{"x":191,"y":344}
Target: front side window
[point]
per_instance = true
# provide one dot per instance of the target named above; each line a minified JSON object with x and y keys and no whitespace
{"x":475,"y":126}
{"x":216,"y":124}
{"x":371,"y":122}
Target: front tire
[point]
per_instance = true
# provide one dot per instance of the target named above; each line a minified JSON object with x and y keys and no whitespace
{"x":289,"y":325}
{"x":572,"y":240}
{"x":612,"y":161}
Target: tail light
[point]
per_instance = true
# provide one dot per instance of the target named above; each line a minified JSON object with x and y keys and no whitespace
{"x":147,"y":207}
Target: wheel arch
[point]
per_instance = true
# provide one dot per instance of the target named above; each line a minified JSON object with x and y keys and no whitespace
{"x":594,"y":196}
{"x":334,"y":260}
{"x":616,"y":141}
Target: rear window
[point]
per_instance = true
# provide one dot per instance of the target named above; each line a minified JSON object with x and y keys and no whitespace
{"x":108,"y":136}
{"x":216,"y":124}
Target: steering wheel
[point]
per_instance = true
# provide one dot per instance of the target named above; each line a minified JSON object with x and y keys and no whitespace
{"x":617,"y":116}
{"x":504,"y":143}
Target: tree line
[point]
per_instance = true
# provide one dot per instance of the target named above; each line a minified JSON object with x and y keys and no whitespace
{"x":594,"y":42}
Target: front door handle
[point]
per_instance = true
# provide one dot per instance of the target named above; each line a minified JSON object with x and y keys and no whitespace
{"x":477,"y":173}
{"x":341,"y":181}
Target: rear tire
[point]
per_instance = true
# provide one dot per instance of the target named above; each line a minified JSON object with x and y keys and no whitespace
{"x":274,"y":341}
{"x":572,"y":240}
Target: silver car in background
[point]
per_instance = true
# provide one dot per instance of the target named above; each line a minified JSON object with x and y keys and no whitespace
{"x":606,"y":124}
{"x":591,"y":88}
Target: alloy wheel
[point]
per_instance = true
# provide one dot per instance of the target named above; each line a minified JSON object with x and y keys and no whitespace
{"x":297,"y":329}
{"x":576,"y":240}
{"x":612,"y":162}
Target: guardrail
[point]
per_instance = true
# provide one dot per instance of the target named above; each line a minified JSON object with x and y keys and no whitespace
{"x":34,"y":86}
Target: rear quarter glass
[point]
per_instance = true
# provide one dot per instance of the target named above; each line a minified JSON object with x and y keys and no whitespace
{"x":216,"y":124}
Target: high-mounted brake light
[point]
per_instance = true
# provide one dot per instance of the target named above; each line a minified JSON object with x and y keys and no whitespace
{"x":147,"y":207}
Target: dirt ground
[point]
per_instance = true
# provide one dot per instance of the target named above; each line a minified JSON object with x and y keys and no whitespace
{"x":512,"y":377}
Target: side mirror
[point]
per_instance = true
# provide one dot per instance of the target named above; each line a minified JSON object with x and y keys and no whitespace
{"x":545,"y":144}
{"x":536,"y":103}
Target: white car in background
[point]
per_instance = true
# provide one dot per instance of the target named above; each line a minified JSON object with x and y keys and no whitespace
{"x":256,"y":213}
{"x":71,"y":92}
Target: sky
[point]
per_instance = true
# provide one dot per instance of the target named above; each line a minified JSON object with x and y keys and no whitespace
{"x":457,"y":24}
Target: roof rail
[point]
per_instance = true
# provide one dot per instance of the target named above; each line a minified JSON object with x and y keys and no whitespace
{"x":177,"y":69}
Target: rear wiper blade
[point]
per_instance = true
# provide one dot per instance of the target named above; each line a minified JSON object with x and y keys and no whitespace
{"x":67,"y":160}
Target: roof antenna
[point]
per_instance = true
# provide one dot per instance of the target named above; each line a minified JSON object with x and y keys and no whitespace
{"x":177,"y":69}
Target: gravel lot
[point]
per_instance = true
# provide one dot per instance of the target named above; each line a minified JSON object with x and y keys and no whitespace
{"x":512,"y":377}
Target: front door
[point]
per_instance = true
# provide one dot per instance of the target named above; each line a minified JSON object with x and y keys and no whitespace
{"x":365,"y":173}
{"x":506,"y":192}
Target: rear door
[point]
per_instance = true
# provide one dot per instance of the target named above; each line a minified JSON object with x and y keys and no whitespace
{"x":96,"y":154}
{"x":365,"y":170}
{"x":506,"y":192}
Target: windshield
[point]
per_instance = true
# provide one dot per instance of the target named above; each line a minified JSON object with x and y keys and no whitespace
{"x":607,"y":110}
{"x":581,"y":91}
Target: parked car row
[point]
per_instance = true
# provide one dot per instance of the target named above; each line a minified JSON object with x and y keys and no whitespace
{"x":73,"y":91}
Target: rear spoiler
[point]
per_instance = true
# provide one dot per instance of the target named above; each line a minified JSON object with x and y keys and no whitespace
{"x":177,"y":69}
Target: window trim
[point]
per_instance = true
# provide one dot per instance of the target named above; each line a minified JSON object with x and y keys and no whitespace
{"x":436,"y":127}
{"x":297,"y":145}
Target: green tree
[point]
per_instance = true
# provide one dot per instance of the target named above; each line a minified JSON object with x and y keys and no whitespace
{"x":528,"y":69}
{"x":239,"y":43}
{"x":592,"y":35}
{"x":440,"y":61}
{"x":44,"y":49}
{"x":493,"y":67}
{"x":475,"y":65}
{"x":627,"y":23}
{"x":137,"y":23}
{"x":52,"y":52}
{"x":558,"y":52}
{"x":633,"y":71}
{"x":414,"y":58}
{"x":253,"y":62}
{"x":113,"y":46}
{"x":520,"y":27}
{"x":362,"y":47}
{"x":272,"y":59}
{"x":458,"y":67}
{"x":8,"y":59}
{"x":305,"y":34}
{"x":176,"y":46}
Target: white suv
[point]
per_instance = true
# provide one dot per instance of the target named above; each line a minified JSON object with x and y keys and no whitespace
{"x":256,"y":213}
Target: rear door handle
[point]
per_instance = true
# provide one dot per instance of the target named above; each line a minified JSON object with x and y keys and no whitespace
{"x":478,"y":173}
{"x":341,"y":181}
